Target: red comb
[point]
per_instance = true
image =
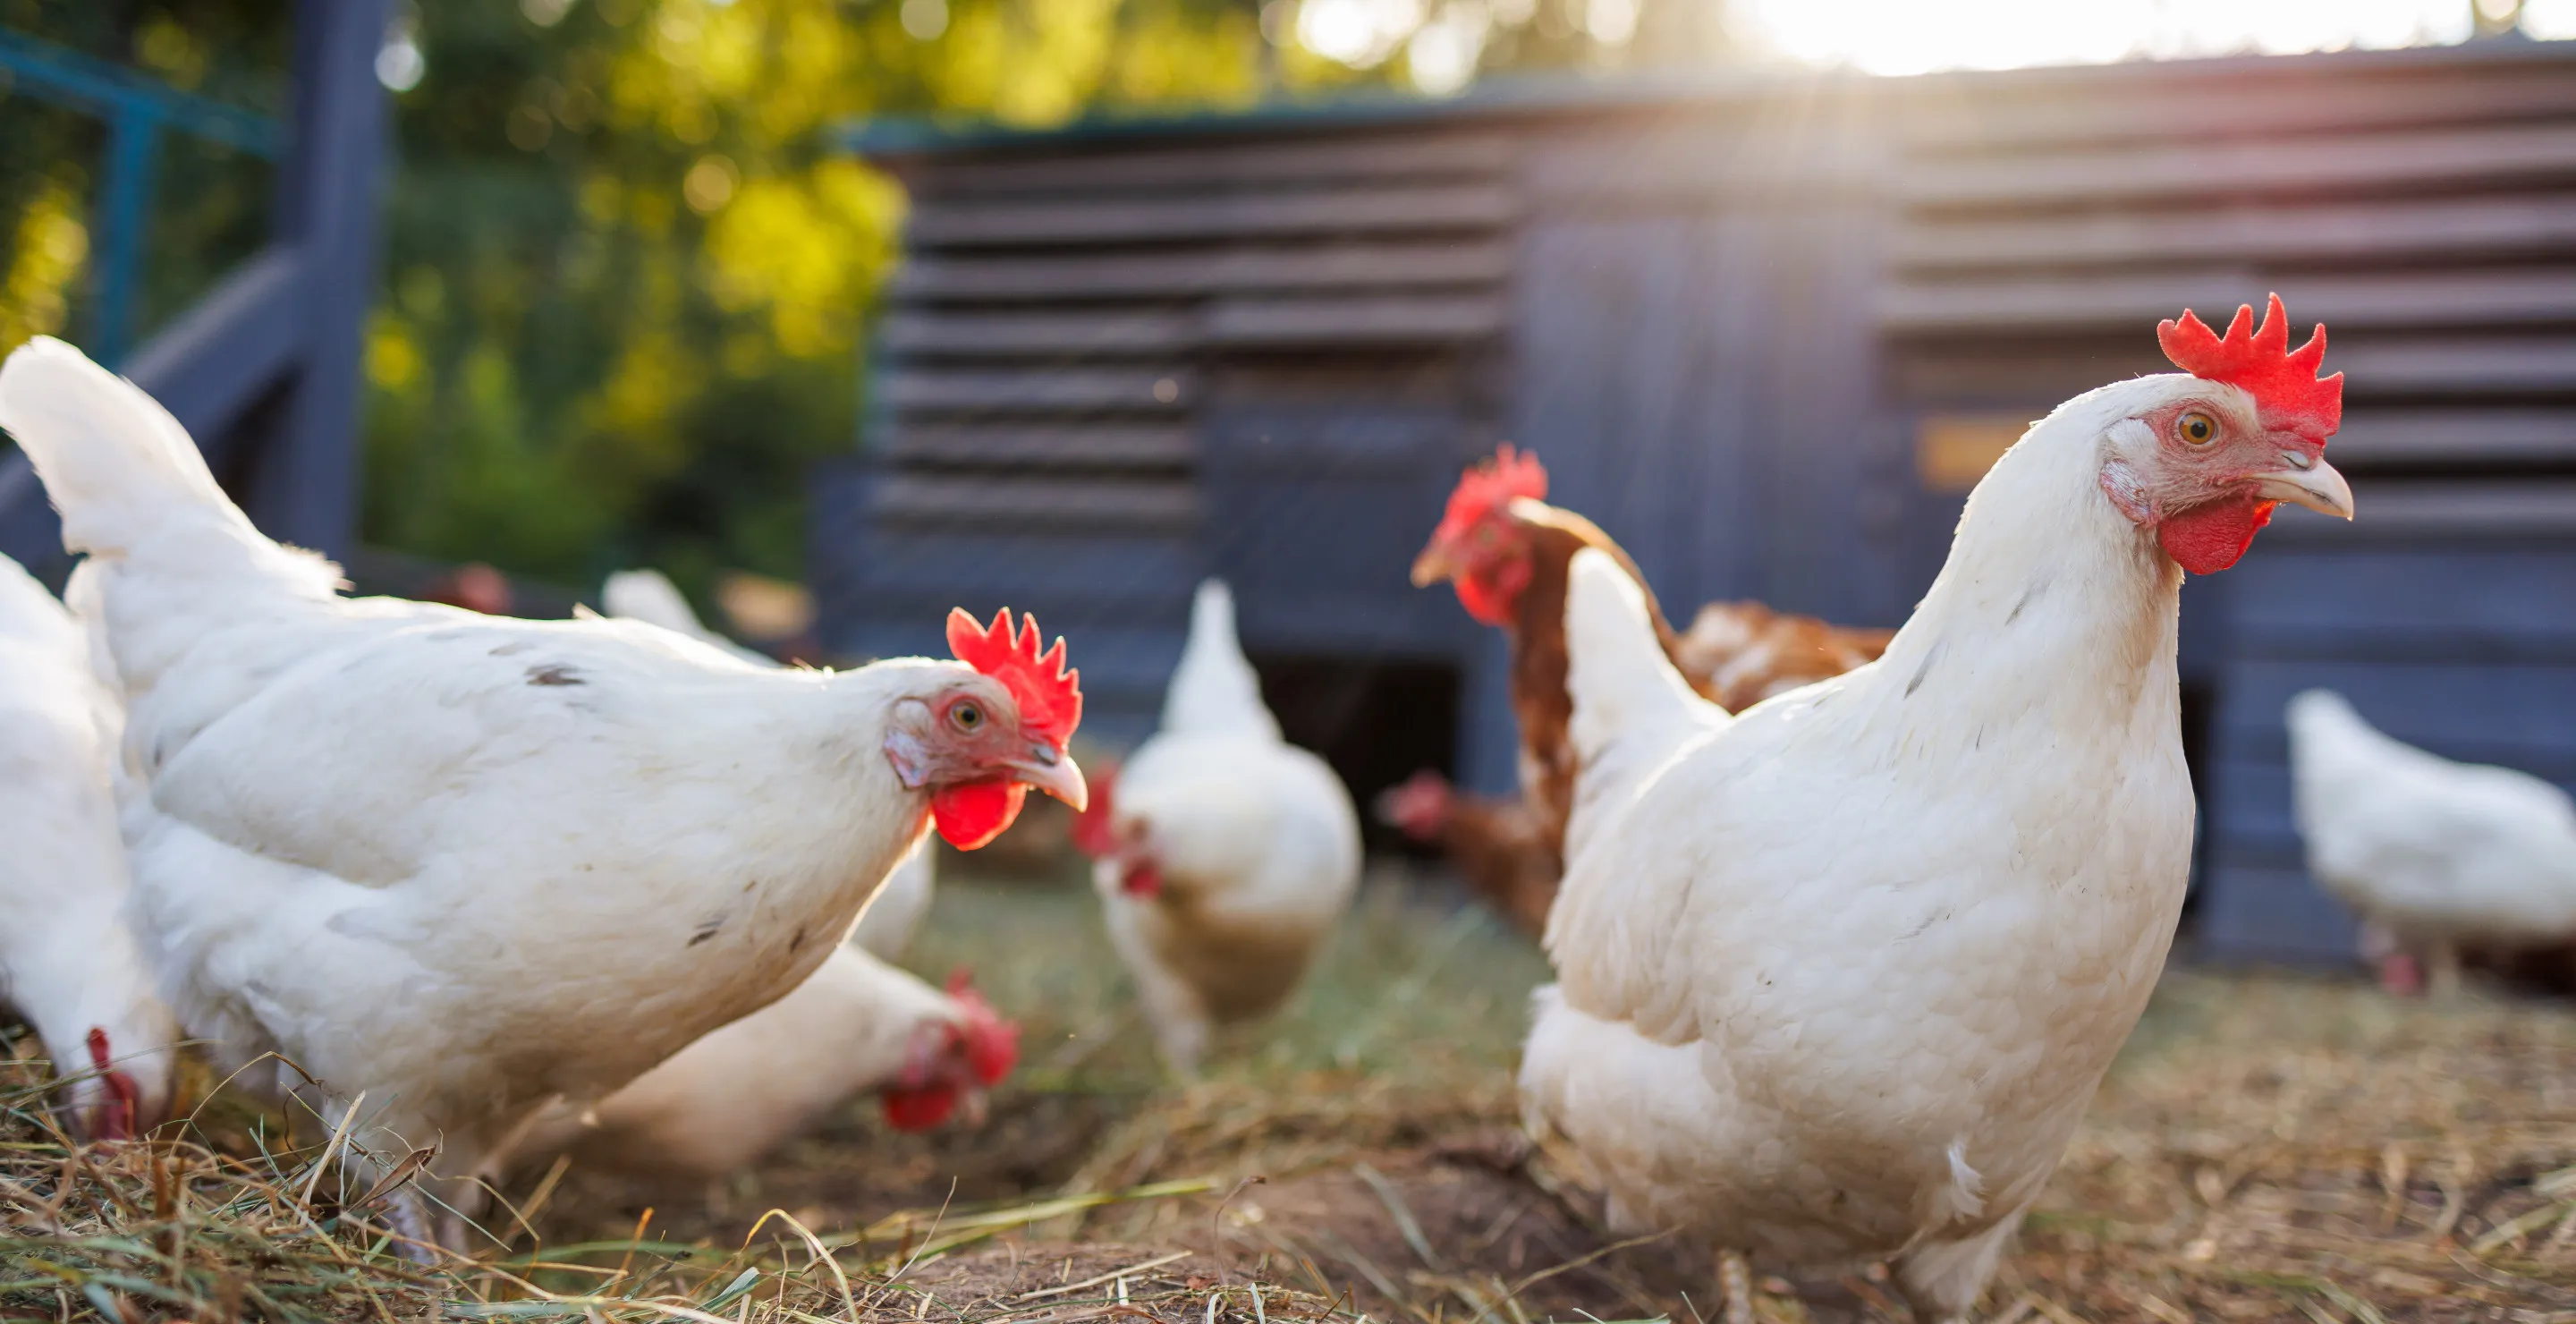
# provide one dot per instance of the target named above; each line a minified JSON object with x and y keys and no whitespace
{"x":992,"y":1044}
{"x":2287,"y":392}
{"x":1490,"y":485}
{"x":1049,"y":695}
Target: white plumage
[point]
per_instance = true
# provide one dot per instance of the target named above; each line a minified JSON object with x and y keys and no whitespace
{"x":857,"y":1026}
{"x":2434,"y":852}
{"x":895,"y":915}
{"x":1226,"y":855}
{"x":1838,"y":975}
{"x":68,"y":962}
{"x":648,"y":595}
{"x":462,"y":865}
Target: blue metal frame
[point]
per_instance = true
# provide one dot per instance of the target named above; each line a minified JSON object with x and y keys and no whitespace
{"x":263,"y":369}
{"x":136,"y":109}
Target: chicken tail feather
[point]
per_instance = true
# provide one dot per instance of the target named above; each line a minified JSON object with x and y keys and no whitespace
{"x":116,"y":464}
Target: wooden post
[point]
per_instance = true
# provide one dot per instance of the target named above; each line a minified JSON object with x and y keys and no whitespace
{"x":304,"y":489}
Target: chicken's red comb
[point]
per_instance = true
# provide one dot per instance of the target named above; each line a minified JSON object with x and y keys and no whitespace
{"x":992,"y":1044}
{"x":1490,"y":485}
{"x":2287,"y":392}
{"x":1049,"y":694}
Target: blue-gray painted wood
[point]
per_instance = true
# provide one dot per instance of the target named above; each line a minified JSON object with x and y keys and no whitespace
{"x":306,"y":484}
{"x":1727,"y":311}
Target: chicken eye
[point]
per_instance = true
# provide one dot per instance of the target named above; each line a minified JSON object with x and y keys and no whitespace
{"x":2197,"y":428}
{"x":968,"y":715}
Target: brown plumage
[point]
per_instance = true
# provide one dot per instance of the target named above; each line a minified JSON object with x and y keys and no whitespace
{"x":1508,"y":553}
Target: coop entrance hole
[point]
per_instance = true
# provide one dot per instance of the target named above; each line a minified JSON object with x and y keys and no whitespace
{"x":1376,"y":721}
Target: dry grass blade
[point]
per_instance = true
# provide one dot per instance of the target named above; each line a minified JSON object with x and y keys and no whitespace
{"x":1097,"y":1279}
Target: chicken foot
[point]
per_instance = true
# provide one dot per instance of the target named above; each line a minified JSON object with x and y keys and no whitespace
{"x":1735,"y":1286}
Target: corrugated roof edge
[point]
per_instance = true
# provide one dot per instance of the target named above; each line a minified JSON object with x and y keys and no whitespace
{"x":907,"y":136}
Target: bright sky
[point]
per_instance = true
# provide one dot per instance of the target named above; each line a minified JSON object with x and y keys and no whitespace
{"x":1916,"y":36}
{"x":1443,"y":38}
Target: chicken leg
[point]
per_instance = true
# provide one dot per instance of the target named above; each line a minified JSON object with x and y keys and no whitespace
{"x":2442,"y":969}
{"x":1735,"y":1286}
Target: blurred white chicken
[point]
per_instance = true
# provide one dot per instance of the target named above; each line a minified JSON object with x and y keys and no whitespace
{"x":894,"y":916}
{"x":2434,"y":854}
{"x":1838,"y":976}
{"x":1223,"y":854}
{"x":461,"y":866}
{"x":649,"y":595}
{"x":857,"y":1026}
{"x":68,"y":962}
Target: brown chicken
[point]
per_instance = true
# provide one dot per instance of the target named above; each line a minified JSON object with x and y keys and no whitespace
{"x":1506,"y":553}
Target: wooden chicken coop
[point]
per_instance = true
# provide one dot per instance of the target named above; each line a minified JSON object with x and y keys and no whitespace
{"x":1766,"y":331}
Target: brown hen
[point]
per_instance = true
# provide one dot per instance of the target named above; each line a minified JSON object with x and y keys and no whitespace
{"x":1506,"y":553}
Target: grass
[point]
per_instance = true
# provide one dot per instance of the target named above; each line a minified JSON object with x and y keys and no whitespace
{"x":2268,"y":1148}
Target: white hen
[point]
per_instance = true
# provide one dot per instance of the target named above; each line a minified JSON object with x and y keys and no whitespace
{"x":1838,"y":976}
{"x":1224,"y":854}
{"x":894,"y":916}
{"x":68,"y":962}
{"x":649,"y":595}
{"x":857,"y":1026}
{"x":2433,"y":852}
{"x":464,"y":865}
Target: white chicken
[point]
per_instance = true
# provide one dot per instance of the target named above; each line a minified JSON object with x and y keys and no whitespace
{"x":2433,"y":854}
{"x":895,"y":915}
{"x":649,"y":595}
{"x":459,"y":866}
{"x":68,"y":962}
{"x":857,"y":1026}
{"x":1838,"y":976}
{"x":1224,"y":854}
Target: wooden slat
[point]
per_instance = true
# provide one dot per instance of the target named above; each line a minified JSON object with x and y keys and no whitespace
{"x":2375,"y":437}
{"x":1002,"y":392}
{"x":1094,"y":445}
{"x":2459,"y":366}
{"x":1300,"y":159}
{"x":1002,"y":335}
{"x":1185,"y":273}
{"x":2201,"y":100}
{"x":2505,"y":154}
{"x":2482,"y":228}
{"x":1041,"y":502}
{"x":2031,"y":303}
{"x":1392,"y":209}
{"x":1421,"y":319}
{"x":2016,"y":373}
{"x":2392,"y":509}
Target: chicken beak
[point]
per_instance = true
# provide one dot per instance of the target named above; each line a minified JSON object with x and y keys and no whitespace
{"x":1432,"y":566}
{"x":1054,"y":772}
{"x":2317,"y":486}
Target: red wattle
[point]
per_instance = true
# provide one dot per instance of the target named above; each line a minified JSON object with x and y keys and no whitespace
{"x":973,"y":814}
{"x":920,"y":1109}
{"x":1142,"y":879}
{"x":2207,"y":539}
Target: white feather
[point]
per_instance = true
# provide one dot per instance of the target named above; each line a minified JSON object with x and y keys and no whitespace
{"x":460,"y":863}
{"x":1838,"y":977}
{"x":1256,"y":841}
{"x":68,"y":962}
{"x":2430,"y":848}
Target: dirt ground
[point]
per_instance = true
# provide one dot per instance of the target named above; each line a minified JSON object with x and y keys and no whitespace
{"x":2270,"y":1147}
